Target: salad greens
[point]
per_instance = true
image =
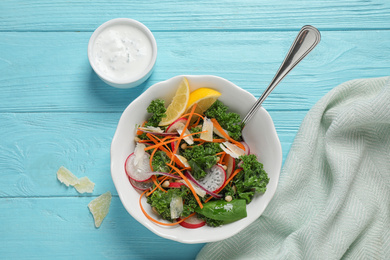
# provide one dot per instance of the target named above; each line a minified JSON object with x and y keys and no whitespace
{"x":157,"y":109}
{"x":160,"y":161}
{"x":248,"y":176}
{"x":224,"y":211}
{"x":160,"y":201}
{"x":201,"y":158}
{"x":230,"y":121}
{"x":253,"y":178}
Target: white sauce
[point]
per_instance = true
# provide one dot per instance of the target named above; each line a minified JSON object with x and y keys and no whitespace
{"x":122,"y":52}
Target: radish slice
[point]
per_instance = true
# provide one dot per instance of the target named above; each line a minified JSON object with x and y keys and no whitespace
{"x":141,"y":171}
{"x":231,"y":165}
{"x":215,"y":179}
{"x":208,"y":191}
{"x":192,"y":222}
{"x":173,"y":147}
{"x":172,"y":128}
{"x":247,"y":149}
{"x":141,"y":185}
{"x":175,"y":184}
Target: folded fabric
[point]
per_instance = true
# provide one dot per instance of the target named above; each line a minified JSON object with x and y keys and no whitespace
{"x":333,"y":198}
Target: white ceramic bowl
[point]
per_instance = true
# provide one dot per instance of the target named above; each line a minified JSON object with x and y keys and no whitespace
{"x":259,"y":133}
{"x":125,"y":40}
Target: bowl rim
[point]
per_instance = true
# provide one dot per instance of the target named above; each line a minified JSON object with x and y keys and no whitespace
{"x":155,"y":228}
{"x":135,"y":24}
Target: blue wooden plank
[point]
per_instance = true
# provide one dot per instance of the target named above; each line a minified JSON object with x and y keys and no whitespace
{"x":50,"y":72}
{"x":55,"y":111}
{"x":194,"y":15}
{"x":37,"y":144}
{"x":63,"y":228}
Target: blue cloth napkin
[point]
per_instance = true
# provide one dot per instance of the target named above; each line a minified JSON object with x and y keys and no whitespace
{"x":333,"y":198}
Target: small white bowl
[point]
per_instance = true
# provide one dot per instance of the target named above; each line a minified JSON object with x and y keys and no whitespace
{"x":259,"y":133}
{"x":122,"y":52}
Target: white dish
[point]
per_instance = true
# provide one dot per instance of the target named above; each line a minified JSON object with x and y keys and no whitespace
{"x":259,"y":133}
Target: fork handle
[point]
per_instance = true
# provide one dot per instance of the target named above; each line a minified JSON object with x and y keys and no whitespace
{"x":307,"y":38}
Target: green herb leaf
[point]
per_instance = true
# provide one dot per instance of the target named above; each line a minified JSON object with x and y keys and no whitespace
{"x":228,"y":120}
{"x":161,"y":201}
{"x":223,"y":210}
{"x":253,"y":178}
{"x":201,"y":158}
{"x":157,"y":109}
{"x":159,"y":162}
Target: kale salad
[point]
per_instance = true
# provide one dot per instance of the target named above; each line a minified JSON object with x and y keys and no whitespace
{"x":196,"y":170}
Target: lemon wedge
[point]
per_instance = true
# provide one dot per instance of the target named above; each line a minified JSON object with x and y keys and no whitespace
{"x":178,"y":105}
{"x":204,"y":98}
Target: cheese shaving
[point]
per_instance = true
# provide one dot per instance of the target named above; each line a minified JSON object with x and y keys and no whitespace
{"x":85,"y":185}
{"x":67,"y":177}
{"x":99,"y":207}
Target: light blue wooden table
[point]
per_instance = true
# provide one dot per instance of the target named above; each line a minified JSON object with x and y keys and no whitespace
{"x":55,"y":111}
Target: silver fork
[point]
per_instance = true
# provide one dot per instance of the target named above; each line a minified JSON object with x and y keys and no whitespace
{"x":307,"y":38}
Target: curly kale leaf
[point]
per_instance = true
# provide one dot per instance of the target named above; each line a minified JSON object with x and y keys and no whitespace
{"x":229,"y":121}
{"x":160,"y":160}
{"x":157,"y":109}
{"x":253,"y":178}
{"x":196,"y":129}
{"x":201,"y":158}
{"x":161,"y":201}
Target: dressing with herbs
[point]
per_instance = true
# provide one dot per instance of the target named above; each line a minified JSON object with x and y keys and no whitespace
{"x":122,"y":52}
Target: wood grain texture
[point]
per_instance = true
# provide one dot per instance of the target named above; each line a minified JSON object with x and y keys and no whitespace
{"x":37,"y":144}
{"x":76,"y":15}
{"x":63,"y":228}
{"x":43,"y":72}
{"x":55,"y":111}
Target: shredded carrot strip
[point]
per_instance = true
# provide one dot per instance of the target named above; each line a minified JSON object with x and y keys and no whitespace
{"x":157,"y":184}
{"x":199,"y":144}
{"x":188,"y":183}
{"x":184,"y":129}
{"x":155,"y":188}
{"x":163,"y":178}
{"x":193,"y":114}
{"x":156,"y":221}
{"x":144,"y":141}
{"x":158,"y":144}
{"x":156,"y":141}
{"x":162,"y":144}
{"x":220,"y":129}
{"x":196,"y":123}
{"x":214,"y":140}
{"x":166,"y":150}
{"x":208,"y":199}
{"x":221,"y":160}
{"x":231,"y":177}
